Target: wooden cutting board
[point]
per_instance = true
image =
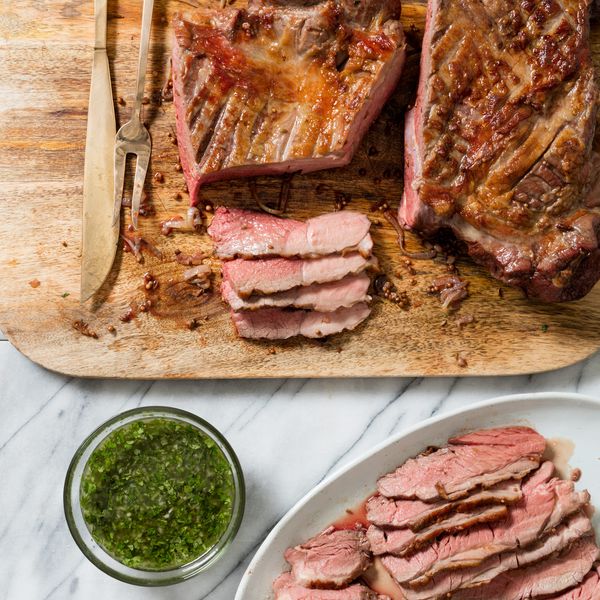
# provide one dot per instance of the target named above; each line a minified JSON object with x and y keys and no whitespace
{"x":45,"y":54}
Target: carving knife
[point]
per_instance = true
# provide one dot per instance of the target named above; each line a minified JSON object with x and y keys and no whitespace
{"x":100,"y":234}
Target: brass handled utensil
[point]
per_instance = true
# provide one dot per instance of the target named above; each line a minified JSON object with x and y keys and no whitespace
{"x":100,"y":234}
{"x":133,"y":137}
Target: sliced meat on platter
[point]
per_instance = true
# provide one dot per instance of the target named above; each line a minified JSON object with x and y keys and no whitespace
{"x":529,"y":536}
{"x":556,"y":574}
{"x":404,"y":541}
{"x":416,"y":514}
{"x":286,"y":588}
{"x":280,"y":86}
{"x":323,"y":297}
{"x":272,"y":275}
{"x":544,"y":505}
{"x":466,"y":463}
{"x":498,"y":147}
{"x":280,"y":324}
{"x":332,"y":559}
{"x":240,"y":233}
{"x":559,"y":539}
{"x":588,"y":589}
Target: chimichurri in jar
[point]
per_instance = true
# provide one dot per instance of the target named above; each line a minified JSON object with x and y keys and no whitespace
{"x":157,"y":493}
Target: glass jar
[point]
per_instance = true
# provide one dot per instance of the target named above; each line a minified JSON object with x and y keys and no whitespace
{"x":102,"y":559}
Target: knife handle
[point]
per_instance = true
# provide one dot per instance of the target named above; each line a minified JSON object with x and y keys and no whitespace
{"x":101,"y":17}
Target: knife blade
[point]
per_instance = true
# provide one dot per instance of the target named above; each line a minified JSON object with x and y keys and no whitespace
{"x":100,"y":235}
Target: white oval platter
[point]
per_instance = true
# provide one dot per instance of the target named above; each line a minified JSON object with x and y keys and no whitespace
{"x":572,"y":419}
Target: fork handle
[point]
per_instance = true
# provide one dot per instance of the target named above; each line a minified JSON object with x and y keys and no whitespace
{"x":143,"y":58}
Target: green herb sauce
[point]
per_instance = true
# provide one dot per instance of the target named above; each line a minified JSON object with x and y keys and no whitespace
{"x":157,"y":493}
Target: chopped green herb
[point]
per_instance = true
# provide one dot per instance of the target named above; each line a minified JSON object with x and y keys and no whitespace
{"x":65,"y":294}
{"x":544,"y":327}
{"x":157,"y":493}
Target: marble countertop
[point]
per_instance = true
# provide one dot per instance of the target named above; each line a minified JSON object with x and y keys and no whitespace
{"x":289,"y":435}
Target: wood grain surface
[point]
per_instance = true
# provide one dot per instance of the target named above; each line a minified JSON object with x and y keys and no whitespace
{"x":45,"y":60}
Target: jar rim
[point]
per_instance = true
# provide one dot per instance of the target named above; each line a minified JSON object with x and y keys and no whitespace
{"x":94,"y":552}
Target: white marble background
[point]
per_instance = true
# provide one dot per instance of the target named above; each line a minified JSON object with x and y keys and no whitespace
{"x":289,"y":435}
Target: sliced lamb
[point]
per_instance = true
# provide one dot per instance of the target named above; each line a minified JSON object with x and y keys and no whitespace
{"x":484,"y":459}
{"x":272,"y":275}
{"x":286,"y":588}
{"x":240,"y":233}
{"x":322,"y":297}
{"x":588,"y":589}
{"x":511,"y":176}
{"x":280,"y":324}
{"x":331,"y":559}
{"x":544,"y":505}
{"x":446,"y":582}
{"x":388,"y":512}
{"x":280,"y":87}
{"x":404,"y":541}
{"x":541,"y":579}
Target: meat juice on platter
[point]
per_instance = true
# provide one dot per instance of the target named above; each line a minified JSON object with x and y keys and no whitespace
{"x":505,"y":526}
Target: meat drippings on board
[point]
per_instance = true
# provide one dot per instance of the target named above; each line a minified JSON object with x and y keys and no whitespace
{"x":284,"y":278}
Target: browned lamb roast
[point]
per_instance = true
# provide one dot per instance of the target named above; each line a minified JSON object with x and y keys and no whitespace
{"x":282,"y":85}
{"x":499,"y":143}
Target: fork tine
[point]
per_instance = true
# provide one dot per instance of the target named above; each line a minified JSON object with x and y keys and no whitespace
{"x":120,"y":158}
{"x":141,"y":169}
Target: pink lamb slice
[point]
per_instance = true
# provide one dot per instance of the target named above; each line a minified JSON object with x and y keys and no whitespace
{"x":322,"y":297}
{"x":279,"y":324}
{"x":272,"y":275}
{"x":248,"y":234}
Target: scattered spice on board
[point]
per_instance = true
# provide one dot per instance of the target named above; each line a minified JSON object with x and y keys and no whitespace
{"x":128,"y":316}
{"x":386,"y":289}
{"x":137,"y":244}
{"x":150,"y":282}
{"x":35,"y":283}
{"x":84,"y":329}
{"x":465,"y":320}
{"x":189,"y":260}
{"x":341,"y":199}
{"x":451,"y":289}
